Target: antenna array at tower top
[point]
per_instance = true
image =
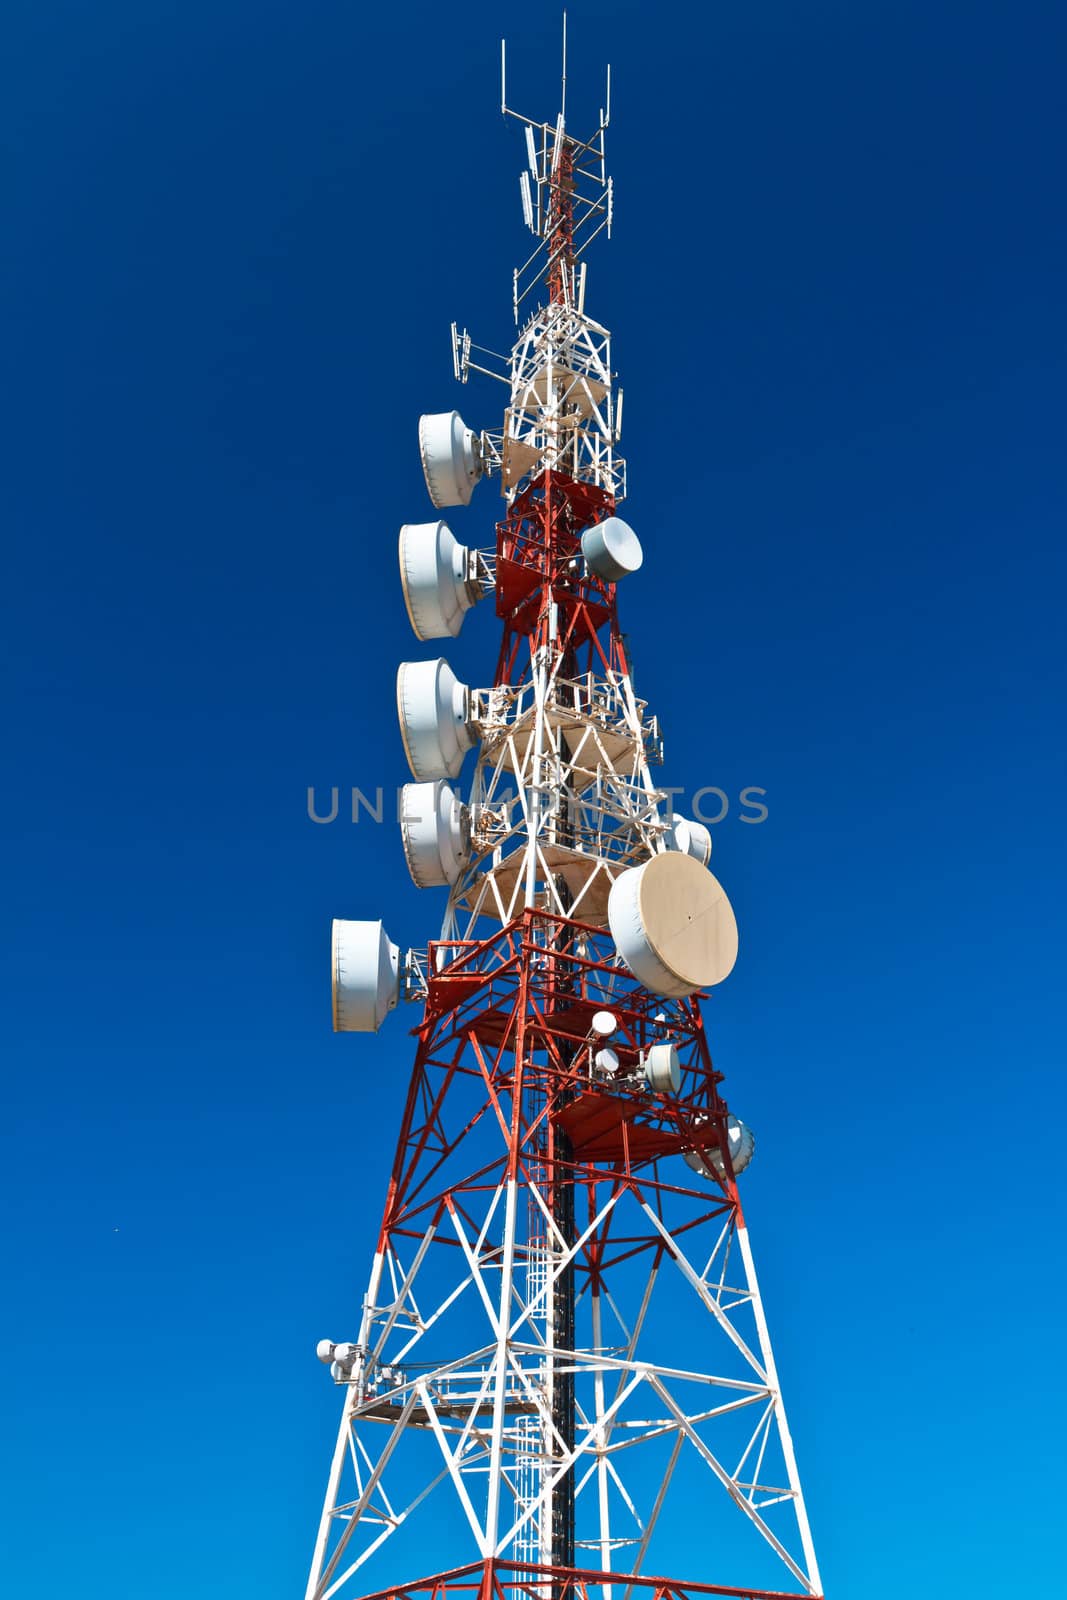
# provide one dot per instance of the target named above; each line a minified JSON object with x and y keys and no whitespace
{"x":564,"y":176}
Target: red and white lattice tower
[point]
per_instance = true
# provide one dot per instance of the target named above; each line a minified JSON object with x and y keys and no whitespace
{"x":562,"y":1378}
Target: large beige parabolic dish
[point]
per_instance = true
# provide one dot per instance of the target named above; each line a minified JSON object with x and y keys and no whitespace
{"x":673,"y":925}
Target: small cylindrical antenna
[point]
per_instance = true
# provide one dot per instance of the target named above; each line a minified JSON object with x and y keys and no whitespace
{"x":563,"y":87}
{"x":611,"y":204}
{"x":503,"y":78}
{"x":607,"y":110}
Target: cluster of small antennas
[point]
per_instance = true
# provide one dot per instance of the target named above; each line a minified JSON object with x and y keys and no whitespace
{"x":591,"y":193}
{"x":658,"y":1067}
{"x":346,"y":1361}
{"x":340,"y":1358}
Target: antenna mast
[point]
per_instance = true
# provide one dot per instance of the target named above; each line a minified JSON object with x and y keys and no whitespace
{"x":562,"y":1335}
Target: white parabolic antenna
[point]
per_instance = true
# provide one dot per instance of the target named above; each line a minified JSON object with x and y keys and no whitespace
{"x":612,"y":549}
{"x":435,"y":827}
{"x":673,"y":925}
{"x":451,"y":460}
{"x":433,"y":707}
{"x":742,"y":1143}
{"x":366,"y":976}
{"x":663,"y":1070}
{"x":434,"y":570}
{"x":690,"y":838}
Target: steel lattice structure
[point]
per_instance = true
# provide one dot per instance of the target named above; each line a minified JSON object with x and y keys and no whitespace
{"x":562,"y":1337}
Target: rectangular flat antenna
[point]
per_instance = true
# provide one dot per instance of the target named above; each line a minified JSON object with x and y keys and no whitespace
{"x":527,"y":202}
{"x":557,"y":147}
{"x":531,"y":154}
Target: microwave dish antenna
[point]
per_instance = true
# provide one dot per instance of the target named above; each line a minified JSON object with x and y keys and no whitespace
{"x":742,"y":1145}
{"x":439,"y":578}
{"x":436,"y":831}
{"x":690,"y":839}
{"x":662,"y":1068}
{"x":434,"y":712}
{"x":673,"y":925}
{"x":612,"y":549}
{"x":451,"y":458}
{"x":366,"y":976}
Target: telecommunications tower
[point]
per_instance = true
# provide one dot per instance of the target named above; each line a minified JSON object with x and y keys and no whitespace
{"x":561,"y":1380}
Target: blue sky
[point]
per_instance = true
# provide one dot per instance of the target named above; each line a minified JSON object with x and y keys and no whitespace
{"x":235,"y":238}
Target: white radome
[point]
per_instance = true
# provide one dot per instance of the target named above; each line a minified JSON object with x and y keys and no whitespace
{"x":436,"y":832}
{"x":612,"y":549}
{"x":663,"y":1071}
{"x":435,"y":574}
{"x":434,"y":709}
{"x":690,"y":839}
{"x":742,"y":1143}
{"x":451,"y":458}
{"x":366,"y":976}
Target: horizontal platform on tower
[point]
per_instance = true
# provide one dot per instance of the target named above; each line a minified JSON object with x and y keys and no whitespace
{"x":591,"y":742}
{"x":498,"y":891}
{"x":566,"y":387}
{"x":604,"y":1127}
{"x":510,"y":1580}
